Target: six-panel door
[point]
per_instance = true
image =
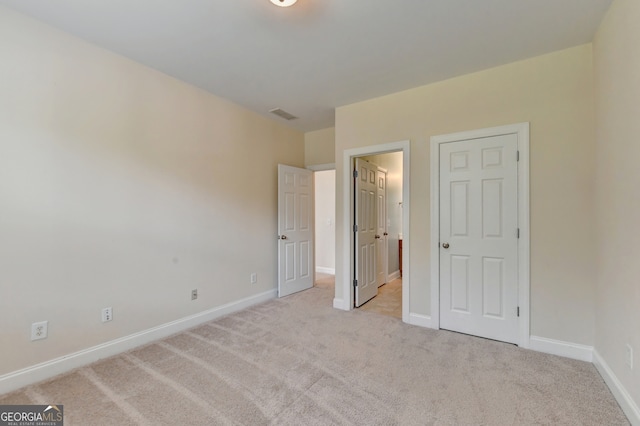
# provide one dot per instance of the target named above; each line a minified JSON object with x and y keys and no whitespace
{"x":367,"y":223}
{"x":295,"y":230}
{"x":478,"y":237}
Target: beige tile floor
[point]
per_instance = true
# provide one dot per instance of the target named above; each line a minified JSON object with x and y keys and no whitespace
{"x":387,"y":302}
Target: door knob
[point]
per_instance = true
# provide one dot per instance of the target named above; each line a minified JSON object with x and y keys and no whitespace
{"x":385,"y":234}
{"x":283,"y":237}
{"x":377,"y":237}
{"x":445,"y":245}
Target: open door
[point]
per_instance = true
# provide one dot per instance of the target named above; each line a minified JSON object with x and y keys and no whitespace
{"x":295,"y":230}
{"x":366,"y":225}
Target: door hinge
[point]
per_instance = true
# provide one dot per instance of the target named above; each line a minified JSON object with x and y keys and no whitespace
{"x":355,"y":283}
{"x":518,"y":311}
{"x":518,"y":233}
{"x":517,"y":155}
{"x":355,"y":228}
{"x":355,"y":174}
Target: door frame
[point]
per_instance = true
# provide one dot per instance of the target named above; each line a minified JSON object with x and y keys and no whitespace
{"x":346,"y":303}
{"x":522,"y":132}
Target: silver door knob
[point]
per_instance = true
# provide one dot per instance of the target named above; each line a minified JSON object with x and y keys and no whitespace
{"x":445,"y":245}
{"x":283,"y":237}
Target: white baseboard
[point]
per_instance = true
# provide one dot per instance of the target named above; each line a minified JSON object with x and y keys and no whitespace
{"x":393,"y":276}
{"x":419,"y":320}
{"x":323,"y":270}
{"x":561,"y":348}
{"x":63,"y":364}
{"x":628,"y":405}
{"x":339,"y":304}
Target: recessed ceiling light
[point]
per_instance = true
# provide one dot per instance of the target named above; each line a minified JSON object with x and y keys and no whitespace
{"x":283,"y":3}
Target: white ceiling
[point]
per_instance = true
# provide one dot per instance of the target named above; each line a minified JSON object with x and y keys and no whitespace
{"x":320,"y":54}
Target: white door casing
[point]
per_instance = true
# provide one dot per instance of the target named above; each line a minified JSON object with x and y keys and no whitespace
{"x":381,"y":229}
{"x":295,"y":230}
{"x":493,"y":264}
{"x":478,"y":237}
{"x":365,"y":235}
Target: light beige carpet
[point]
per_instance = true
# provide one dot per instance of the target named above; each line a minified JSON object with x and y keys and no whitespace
{"x":298,"y":361}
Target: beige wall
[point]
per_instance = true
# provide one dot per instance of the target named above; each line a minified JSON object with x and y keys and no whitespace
{"x":554,"y":93}
{"x":319,"y":147}
{"x":123,"y":187}
{"x":617,"y":82}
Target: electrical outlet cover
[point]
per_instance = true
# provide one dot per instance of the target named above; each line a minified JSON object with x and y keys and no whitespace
{"x":107,"y":314}
{"x":39,"y":330}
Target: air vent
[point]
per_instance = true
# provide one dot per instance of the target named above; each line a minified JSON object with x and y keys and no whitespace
{"x":282,"y":114}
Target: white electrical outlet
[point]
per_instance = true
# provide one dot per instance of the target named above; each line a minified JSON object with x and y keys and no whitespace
{"x":194,"y":294}
{"x":254,"y":278}
{"x":39,"y":330}
{"x":107,"y":314}
{"x":629,"y":360}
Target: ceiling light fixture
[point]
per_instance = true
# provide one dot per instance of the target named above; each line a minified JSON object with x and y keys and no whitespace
{"x":284,"y":3}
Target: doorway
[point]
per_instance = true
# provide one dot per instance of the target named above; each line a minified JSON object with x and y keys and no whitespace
{"x":345,"y":296}
{"x":386,"y":229}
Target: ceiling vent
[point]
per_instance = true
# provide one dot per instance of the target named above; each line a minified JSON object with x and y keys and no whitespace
{"x":282,"y":114}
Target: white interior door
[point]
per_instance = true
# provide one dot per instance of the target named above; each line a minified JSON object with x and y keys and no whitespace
{"x":478,"y":237}
{"x":366,"y":225}
{"x":295,"y":230}
{"x":381,"y":229}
